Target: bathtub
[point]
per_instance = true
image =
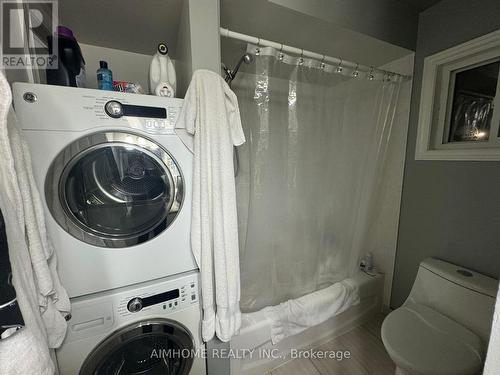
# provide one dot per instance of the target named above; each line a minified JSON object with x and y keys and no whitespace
{"x":254,"y":335}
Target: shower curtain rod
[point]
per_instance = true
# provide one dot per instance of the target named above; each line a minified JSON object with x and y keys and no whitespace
{"x":304,"y":53}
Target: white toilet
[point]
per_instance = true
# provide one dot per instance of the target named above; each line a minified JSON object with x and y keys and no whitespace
{"x":444,"y":326}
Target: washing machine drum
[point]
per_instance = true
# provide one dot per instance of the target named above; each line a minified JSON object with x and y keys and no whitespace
{"x":158,"y":347}
{"x":114,"y":189}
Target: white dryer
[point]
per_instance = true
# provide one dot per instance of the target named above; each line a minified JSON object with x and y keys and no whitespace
{"x":116,"y":180}
{"x":149,"y":329}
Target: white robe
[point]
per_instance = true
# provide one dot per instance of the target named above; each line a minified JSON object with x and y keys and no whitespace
{"x":211,"y":115}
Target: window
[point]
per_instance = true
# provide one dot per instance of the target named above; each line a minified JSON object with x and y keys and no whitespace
{"x":460,"y":103}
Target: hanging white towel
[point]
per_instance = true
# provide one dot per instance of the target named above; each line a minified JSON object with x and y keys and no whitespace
{"x":211,"y":115}
{"x":42,"y":300}
{"x":25,"y":351}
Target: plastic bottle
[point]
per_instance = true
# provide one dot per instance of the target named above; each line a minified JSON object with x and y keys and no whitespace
{"x":70,"y":69}
{"x":104,"y":77}
{"x":162,"y":77}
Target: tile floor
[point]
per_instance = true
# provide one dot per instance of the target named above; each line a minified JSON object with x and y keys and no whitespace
{"x":368,"y":355}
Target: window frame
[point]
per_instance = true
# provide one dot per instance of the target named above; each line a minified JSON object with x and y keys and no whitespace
{"x":437,"y":85}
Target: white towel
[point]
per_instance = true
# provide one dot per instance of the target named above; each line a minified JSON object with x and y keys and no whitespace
{"x":296,"y":315}
{"x":492,"y":366}
{"x":42,"y":299}
{"x":211,"y":114}
{"x":25,"y":351}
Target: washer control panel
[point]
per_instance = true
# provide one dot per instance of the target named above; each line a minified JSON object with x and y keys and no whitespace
{"x":165,"y":300}
{"x":101,"y":313}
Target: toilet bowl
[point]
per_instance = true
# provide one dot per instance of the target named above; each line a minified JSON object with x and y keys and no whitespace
{"x":422,"y":341}
{"x":443,"y":327}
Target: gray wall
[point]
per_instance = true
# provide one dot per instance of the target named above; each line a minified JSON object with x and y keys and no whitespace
{"x":267,"y":20}
{"x":449,"y":210}
{"x":389,"y":20}
{"x":198,"y":41}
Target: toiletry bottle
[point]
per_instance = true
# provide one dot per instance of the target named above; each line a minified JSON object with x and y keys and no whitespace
{"x":104,"y":77}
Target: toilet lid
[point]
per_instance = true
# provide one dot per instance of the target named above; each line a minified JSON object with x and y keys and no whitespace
{"x":423,"y":341}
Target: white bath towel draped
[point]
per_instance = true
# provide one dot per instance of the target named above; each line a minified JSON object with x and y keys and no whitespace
{"x":296,"y":315}
{"x":42,"y":299}
{"x":211,"y":115}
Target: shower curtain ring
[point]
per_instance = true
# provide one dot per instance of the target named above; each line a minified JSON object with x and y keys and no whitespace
{"x":370,"y":75}
{"x":301,"y":59}
{"x":281,"y":55}
{"x":339,"y":67}
{"x":257,"y":50}
{"x":355,"y":74}
{"x":322,"y":63}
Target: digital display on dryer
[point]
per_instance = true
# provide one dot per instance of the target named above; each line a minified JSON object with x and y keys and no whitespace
{"x":116,"y":109}
{"x":159,"y":298}
{"x":144,"y":111}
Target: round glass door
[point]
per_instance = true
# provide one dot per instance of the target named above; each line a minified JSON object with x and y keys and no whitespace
{"x":158,"y":347}
{"x":114,"y":189}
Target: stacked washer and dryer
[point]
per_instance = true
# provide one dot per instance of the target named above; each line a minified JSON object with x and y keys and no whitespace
{"x":116,"y":183}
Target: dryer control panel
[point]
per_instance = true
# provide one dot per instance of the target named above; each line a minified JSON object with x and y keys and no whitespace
{"x":156,"y":120}
{"x":94,"y":109}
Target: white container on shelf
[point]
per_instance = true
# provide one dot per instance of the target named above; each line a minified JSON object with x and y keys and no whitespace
{"x":162,"y":77}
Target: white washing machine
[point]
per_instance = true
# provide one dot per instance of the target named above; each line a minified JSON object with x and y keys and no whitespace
{"x":149,"y":329}
{"x":116,"y":180}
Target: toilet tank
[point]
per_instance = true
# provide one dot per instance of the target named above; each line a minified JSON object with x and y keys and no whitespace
{"x":463,"y":295}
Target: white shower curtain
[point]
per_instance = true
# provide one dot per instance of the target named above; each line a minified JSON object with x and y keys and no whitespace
{"x":308,"y":175}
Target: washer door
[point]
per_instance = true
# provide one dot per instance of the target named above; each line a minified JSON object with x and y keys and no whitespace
{"x":160,"y":346}
{"x":114,"y":189}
